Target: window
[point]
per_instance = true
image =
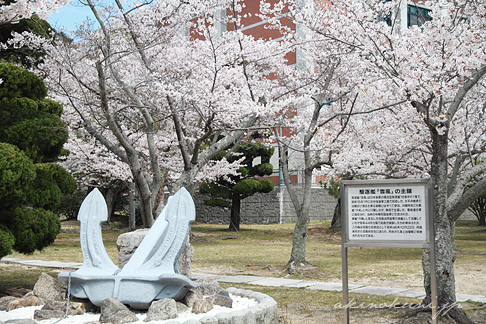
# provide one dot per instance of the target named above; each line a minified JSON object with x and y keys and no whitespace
{"x":417,"y":16}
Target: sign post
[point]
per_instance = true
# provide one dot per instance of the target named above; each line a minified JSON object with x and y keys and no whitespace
{"x":387,"y":213}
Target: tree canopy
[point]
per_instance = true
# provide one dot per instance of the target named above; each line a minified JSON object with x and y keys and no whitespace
{"x":31,"y":135}
{"x":229,"y":190}
{"x":23,"y":55}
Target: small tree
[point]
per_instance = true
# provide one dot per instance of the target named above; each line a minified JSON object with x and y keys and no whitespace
{"x":232,"y":189}
{"x":478,"y":208}
{"x":31,"y":136}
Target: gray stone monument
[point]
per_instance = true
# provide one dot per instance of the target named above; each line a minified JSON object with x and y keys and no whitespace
{"x":150,"y":274}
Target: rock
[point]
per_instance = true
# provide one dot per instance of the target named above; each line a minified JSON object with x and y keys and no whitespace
{"x":87,"y":304}
{"x":74,"y":307}
{"x":25,"y":302}
{"x":191,"y":321}
{"x":162,"y":309}
{"x":48,"y":288}
{"x":191,"y":296}
{"x":110,"y":307}
{"x":480,"y":316}
{"x":208,"y":286}
{"x":43,"y":314}
{"x":209,"y":320}
{"x":124,"y":316}
{"x":185,"y":260}
{"x":223,"y":299}
{"x":5,"y":301}
{"x":21,"y":321}
{"x":15,"y":292}
{"x":202,"y":305}
{"x":181,"y":308}
{"x":292,"y":268}
{"x":127,"y":244}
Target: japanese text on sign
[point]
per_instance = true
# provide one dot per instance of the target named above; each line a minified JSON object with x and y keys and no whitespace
{"x":387,"y":213}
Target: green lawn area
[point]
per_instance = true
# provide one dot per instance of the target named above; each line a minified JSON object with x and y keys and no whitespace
{"x":265,"y":250}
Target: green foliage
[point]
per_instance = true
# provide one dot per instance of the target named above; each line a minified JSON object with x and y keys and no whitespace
{"x":31,"y":133}
{"x":71,"y":203}
{"x":24,"y":55}
{"x":217,"y":203}
{"x":332,"y":188}
{"x":243,"y":185}
{"x":267,"y":185}
{"x":7,"y":241}
{"x":50,"y":106}
{"x":63,"y":179}
{"x":247,"y":187}
{"x":261,"y":170}
{"x":18,"y":83}
{"x":17,"y":172}
{"x":39,"y":134}
{"x":45,"y":194}
{"x":252,"y":150}
{"x":215,"y":190}
{"x":33,"y":228}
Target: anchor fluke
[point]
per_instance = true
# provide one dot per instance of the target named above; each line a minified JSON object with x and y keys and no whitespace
{"x":151,"y":273}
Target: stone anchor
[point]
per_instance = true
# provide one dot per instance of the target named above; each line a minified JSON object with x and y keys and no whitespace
{"x":150,"y":274}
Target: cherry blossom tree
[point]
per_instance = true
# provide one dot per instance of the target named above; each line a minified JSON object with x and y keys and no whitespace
{"x":156,"y":86}
{"x":326,"y":98}
{"x":436,"y":71}
{"x":14,"y":11}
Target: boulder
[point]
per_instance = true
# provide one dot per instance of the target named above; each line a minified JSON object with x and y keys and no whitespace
{"x":5,"y":301}
{"x":123,"y":316}
{"x":191,"y":296}
{"x":202,"y":305}
{"x":25,"y":302}
{"x":127,"y":244}
{"x":48,"y":288}
{"x":223,"y":299}
{"x":181,"y":308}
{"x":162,"y":309}
{"x":21,"y":321}
{"x":111,"y":307}
{"x":208,"y":286}
{"x":43,"y":314}
{"x":185,"y":260}
{"x":74,"y":307}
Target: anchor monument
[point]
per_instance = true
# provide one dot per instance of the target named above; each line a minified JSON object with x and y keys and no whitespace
{"x":152,"y":271}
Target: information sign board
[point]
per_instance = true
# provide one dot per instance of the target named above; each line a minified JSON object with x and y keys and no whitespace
{"x":390,"y":212}
{"x":387,"y":213}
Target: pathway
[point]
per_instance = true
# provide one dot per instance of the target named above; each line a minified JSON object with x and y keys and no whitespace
{"x":276,"y":282}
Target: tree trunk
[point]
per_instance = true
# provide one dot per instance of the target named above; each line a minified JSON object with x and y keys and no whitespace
{"x":336,"y":218}
{"x":299,"y":238}
{"x":145,"y":202}
{"x":446,"y":294}
{"x":234,"y":225}
{"x":110,"y":197}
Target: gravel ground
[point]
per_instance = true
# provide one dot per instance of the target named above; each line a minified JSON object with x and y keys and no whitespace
{"x":239,"y":303}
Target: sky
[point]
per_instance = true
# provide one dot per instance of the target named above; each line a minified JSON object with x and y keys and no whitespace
{"x":69,"y":16}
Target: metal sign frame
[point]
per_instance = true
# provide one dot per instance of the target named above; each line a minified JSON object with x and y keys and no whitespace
{"x":402,"y":196}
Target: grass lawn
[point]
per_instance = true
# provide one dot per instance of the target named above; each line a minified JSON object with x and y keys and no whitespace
{"x":265,"y":249}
